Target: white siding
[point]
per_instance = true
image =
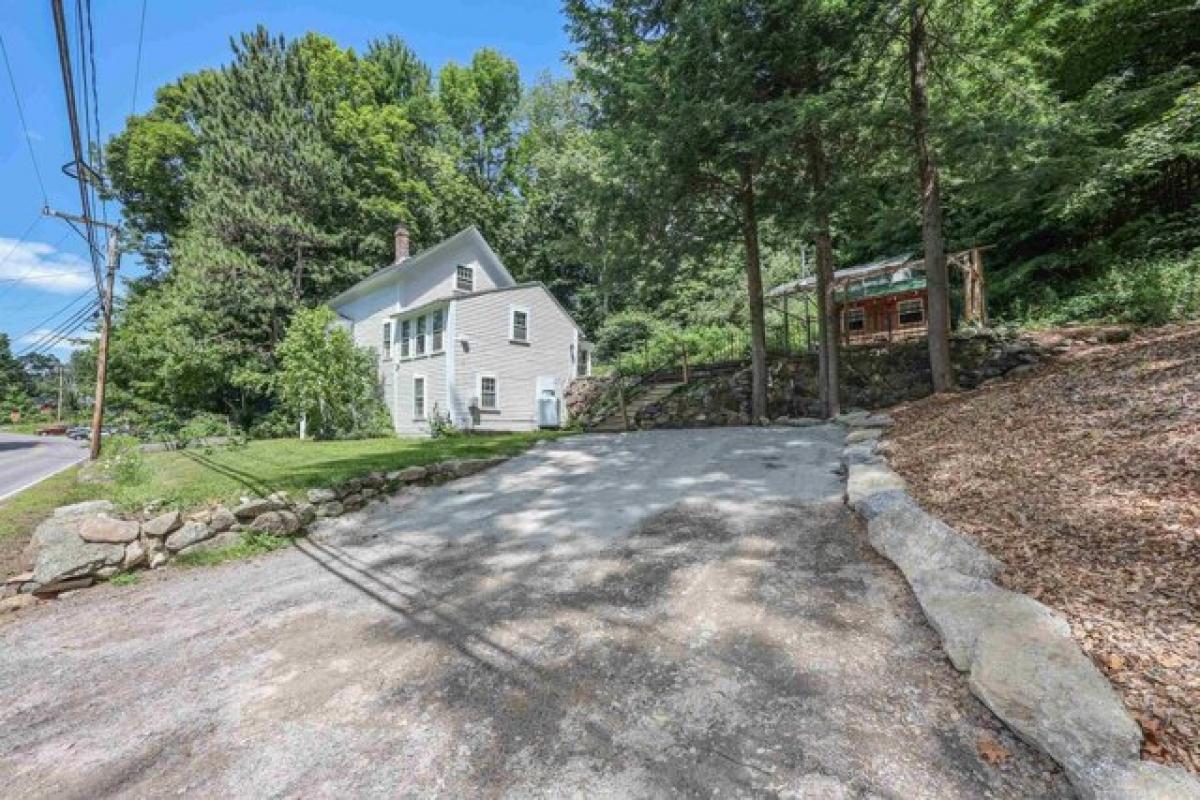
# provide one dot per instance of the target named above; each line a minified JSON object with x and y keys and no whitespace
{"x":436,"y":281}
{"x":483,"y":347}
{"x":401,"y":398}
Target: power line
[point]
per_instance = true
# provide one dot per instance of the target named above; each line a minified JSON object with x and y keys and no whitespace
{"x":55,"y":315}
{"x":63,"y":329}
{"x":21,"y":115}
{"x":137,"y":66}
{"x":64,"y":336}
{"x":64,"y":60}
{"x":96,"y":112}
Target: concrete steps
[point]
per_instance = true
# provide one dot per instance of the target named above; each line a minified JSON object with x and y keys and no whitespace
{"x":615,"y":423}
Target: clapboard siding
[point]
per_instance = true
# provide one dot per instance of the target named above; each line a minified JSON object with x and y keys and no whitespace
{"x":482,"y":346}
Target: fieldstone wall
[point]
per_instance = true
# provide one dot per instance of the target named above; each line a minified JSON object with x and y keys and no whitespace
{"x":872,"y":378}
{"x":85,"y":543}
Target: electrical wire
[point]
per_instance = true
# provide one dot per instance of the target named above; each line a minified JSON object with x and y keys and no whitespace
{"x":56,"y":314}
{"x":21,"y":115}
{"x":65,"y":336}
{"x":63,"y":329}
{"x":137,"y":65}
{"x":21,"y":241}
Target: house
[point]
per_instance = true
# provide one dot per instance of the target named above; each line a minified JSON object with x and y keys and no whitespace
{"x":457,"y":338}
{"x":888,"y":299}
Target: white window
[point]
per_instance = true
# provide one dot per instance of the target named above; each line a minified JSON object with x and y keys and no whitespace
{"x":405,"y":336}
{"x":518,"y":329}
{"x":437,"y":335}
{"x":856,"y":319}
{"x":464,"y":278}
{"x":387,"y":340}
{"x":489,"y":393}
{"x":583,"y":367}
{"x":418,"y":397}
{"x":911,"y":312}
{"x":419,"y":348}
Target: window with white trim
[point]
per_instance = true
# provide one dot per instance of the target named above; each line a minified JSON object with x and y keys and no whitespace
{"x":418,"y":397}
{"x":419,"y":346}
{"x":856,"y":319}
{"x":405,"y":336}
{"x":911,"y":312}
{"x":464,"y":278}
{"x":437,"y":325}
{"x":489,"y":393}
{"x":518,"y":329}
{"x":387,"y":340}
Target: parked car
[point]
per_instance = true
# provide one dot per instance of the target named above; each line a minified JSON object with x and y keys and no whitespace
{"x":79,"y":432}
{"x":58,"y":429}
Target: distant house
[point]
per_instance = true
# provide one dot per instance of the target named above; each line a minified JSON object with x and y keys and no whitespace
{"x":889,"y":299}
{"x":458,"y":338}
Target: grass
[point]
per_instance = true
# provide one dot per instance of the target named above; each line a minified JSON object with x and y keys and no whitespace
{"x":124,"y":579}
{"x":253,"y":543}
{"x":192,"y":478}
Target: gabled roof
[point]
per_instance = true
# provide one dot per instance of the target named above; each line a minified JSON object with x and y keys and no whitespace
{"x":382,"y":277}
{"x":859,"y":272}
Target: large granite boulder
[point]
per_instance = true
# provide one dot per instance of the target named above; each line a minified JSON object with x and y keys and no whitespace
{"x":103,"y":529}
{"x":407,"y":475}
{"x":283,"y":523}
{"x":1042,"y":685}
{"x":221,"y":520}
{"x":189,"y":534}
{"x":218,"y":542}
{"x":62,"y":554}
{"x":162,"y":525}
{"x":866,"y":479}
{"x":961,"y":607}
{"x":1141,"y":780}
{"x":256,"y":506}
{"x":916,"y":542}
{"x":85,"y":508}
{"x":319,"y":496}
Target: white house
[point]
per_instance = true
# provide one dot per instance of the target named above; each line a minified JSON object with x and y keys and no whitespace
{"x":457,"y":337}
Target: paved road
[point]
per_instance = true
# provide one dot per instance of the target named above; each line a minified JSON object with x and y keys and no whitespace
{"x":660,"y":614}
{"x":25,"y":460}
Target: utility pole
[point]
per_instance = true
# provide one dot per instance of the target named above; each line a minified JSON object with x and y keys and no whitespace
{"x":106,"y":309}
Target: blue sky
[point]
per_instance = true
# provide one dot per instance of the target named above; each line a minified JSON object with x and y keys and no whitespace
{"x":46,"y":273}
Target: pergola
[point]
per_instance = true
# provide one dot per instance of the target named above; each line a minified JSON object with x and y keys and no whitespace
{"x":863,"y":280}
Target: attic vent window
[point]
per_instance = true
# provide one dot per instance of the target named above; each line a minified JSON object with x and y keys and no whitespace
{"x":464,"y":279}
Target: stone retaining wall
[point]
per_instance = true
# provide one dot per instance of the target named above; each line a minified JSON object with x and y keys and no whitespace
{"x":1020,"y":657}
{"x":82,"y":544}
{"x":872,"y":377}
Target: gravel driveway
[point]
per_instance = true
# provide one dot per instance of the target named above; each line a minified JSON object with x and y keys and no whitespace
{"x":643,"y":615}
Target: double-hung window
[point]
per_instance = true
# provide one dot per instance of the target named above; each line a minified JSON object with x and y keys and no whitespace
{"x":387,"y":340}
{"x":519,"y":326}
{"x":856,"y":319}
{"x":420,"y":340}
{"x":405,"y":336}
{"x":437,"y":324}
{"x":489,"y":393}
{"x":464,"y":278}
{"x":418,"y":397}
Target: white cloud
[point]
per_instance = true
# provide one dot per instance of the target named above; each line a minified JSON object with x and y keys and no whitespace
{"x":35,"y":265}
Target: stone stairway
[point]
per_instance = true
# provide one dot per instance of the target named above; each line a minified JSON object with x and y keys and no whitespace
{"x":615,"y":423}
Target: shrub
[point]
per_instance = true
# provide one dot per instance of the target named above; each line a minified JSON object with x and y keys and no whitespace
{"x":1148,"y":292}
{"x":203,"y":426}
{"x":123,"y":460}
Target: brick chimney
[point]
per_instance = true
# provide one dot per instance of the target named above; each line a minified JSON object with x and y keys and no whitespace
{"x":401,"y":242}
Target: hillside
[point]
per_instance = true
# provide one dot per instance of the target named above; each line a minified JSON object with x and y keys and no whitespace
{"x":1083,"y":477}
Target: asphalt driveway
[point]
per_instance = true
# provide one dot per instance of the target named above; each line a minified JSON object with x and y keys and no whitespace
{"x":26,"y":460}
{"x":644,"y":615}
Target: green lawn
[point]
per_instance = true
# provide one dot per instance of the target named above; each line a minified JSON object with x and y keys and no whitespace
{"x":192,"y":478}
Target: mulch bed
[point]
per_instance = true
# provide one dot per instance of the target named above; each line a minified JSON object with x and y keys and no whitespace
{"x":1083,"y":477}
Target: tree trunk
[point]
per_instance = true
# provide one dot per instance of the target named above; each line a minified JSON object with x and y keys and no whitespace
{"x":754,"y":291}
{"x":936,"y":273}
{"x":827,"y":317}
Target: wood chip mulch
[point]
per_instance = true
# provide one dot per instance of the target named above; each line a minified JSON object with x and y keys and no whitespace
{"x":1083,"y":477}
